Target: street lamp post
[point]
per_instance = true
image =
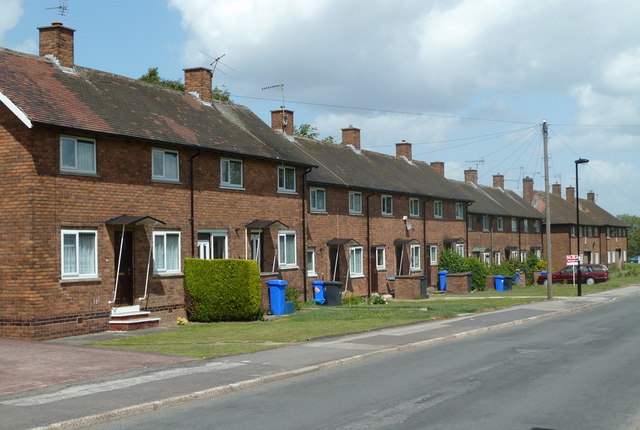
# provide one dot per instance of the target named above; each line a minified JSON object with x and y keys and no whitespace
{"x":578,"y":161}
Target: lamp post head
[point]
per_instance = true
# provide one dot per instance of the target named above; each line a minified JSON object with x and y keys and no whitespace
{"x":581,"y":161}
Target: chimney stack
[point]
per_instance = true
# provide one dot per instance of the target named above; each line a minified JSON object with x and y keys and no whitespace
{"x":498,"y":181}
{"x":403,"y":149}
{"x":471,"y":175}
{"x":571,"y":195}
{"x":198,"y":80}
{"x":556,"y":189}
{"x":57,"y":40}
{"x":438,"y":166}
{"x":282,"y":121}
{"x":527,"y":189}
{"x":351,"y":136}
{"x":591,"y":196}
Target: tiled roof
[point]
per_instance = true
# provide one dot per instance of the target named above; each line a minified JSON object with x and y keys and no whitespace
{"x":99,"y":102}
{"x":604,"y":217}
{"x":496,"y":201}
{"x":564,"y":212}
{"x":342,"y":165}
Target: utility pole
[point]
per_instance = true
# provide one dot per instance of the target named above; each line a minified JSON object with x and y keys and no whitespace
{"x":547,"y":212}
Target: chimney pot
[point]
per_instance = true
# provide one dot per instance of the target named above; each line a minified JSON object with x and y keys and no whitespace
{"x":403,"y":149}
{"x":527,"y":190}
{"x":498,"y":181}
{"x":57,"y":40}
{"x":351,"y":136}
{"x":471,"y":175}
{"x":282,"y":121}
{"x":591,"y":196}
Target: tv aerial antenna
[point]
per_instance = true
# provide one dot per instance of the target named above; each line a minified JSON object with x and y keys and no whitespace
{"x":281,"y":86}
{"x":63,"y":8}
{"x":216,"y":61}
{"x":478,"y":163}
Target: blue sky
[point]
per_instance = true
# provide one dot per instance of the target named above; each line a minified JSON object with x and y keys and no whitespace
{"x":468,"y":82}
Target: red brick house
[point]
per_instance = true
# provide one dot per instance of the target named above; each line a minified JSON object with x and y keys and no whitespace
{"x":108,"y":183}
{"x":603,"y":237}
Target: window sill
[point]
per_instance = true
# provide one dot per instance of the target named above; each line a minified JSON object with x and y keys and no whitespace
{"x":356,"y":213}
{"x":281,"y":191}
{"x":288,"y":267}
{"x":312,"y":212}
{"x":312,"y":275}
{"x":91,"y":174}
{"x":387,"y":215}
{"x":352,"y":276}
{"x":79,"y":280}
{"x":168,"y":275}
{"x":231,"y":187}
{"x":381,"y":269}
{"x":166,"y":181}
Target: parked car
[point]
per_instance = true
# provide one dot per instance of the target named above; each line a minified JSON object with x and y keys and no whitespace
{"x":633,"y":260}
{"x":591,"y":273}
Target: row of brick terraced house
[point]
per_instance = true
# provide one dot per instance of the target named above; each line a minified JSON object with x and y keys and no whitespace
{"x":108,"y":183}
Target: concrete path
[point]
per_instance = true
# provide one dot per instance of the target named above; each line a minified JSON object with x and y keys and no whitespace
{"x":82,"y":385}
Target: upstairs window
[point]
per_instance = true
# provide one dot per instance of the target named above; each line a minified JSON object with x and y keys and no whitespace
{"x":485,"y":223}
{"x":77,"y":155}
{"x":525,"y":225}
{"x":231,"y":175}
{"x":79,"y":254}
{"x":414,"y":207}
{"x":470,"y":224}
{"x":437,"y":209}
{"x":387,"y":205}
{"x":317,"y":200}
{"x":286,"y":179}
{"x":164,"y":165}
{"x":538,"y":226}
{"x":500,"y":223}
{"x":514,"y":224}
{"x":459,"y":211}
{"x":355,"y":202}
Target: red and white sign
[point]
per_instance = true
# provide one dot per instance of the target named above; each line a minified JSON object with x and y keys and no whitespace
{"x":572,"y":260}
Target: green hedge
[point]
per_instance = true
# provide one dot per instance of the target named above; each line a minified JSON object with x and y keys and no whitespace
{"x":222,"y":290}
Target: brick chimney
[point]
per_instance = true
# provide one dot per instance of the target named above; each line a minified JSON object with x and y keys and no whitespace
{"x":403,"y":149}
{"x":498,"y":181}
{"x":57,"y":40}
{"x":527,"y":189}
{"x":556,"y":189}
{"x":282,"y":121}
{"x":438,"y":166}
{"x":471,"y":175}
{"x":591,"y":196}
{"x":351,"y":136}
{"x":198,"y":80}
{"x":571,"y":195}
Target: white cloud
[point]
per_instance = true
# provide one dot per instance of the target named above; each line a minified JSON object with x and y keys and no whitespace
{"x":11,"y":13}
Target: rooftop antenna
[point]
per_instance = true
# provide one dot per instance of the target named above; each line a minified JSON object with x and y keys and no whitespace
{"x":281,"y":86}
{"x":63,"y":8}
{"x":477,"y":163}
{"x":216,"y":61}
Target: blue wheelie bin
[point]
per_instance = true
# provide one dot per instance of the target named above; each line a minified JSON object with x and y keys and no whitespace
{"x":498,"y":281}
{"x":277,"y":290}
{"x":442,"y":279}
{"x":318,"y":292}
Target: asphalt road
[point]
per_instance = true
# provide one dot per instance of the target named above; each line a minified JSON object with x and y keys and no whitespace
{"x":578,"y":370}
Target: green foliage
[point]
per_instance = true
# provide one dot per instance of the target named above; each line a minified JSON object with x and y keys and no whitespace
{"x":311,"y":132}
{"x":479,"y":272}
{"x":291,"y":294}
{"x":377,"y":300}
{"x":633,"y":239}
{"x":153,"y":77}
{"x":222,"y":290}
{"x":221,"y":94}
{"x":451,"y":261}
{"x":352,"y":300}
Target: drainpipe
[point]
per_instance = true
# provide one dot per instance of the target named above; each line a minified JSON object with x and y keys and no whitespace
{"x":192,"y":219}
{"x":304,"y":231}
{"x":427,"y":252}
{"x":369,"y":248}
{"x":466,"y":228}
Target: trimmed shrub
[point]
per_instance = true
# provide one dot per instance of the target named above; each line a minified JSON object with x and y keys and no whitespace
{"x":479,"y":272}
{"x":451,"y":261}
{"x":222,"y":290}
{"x":291,"y":294}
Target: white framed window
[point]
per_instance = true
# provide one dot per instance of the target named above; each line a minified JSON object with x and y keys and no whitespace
{"x":470,"y":223}
{"x":355,"y":262}
{"x":317,"y":200}
{"x":231,"y":173}
{"x":513,"y":255}
{"x":486,"y":258}
{"x":77,"y":155}
{"x":79,"y":254}
{"x":287,"y":249}
{"x":166,"y":252}
{"x":414,"y":207}
{"x":381,"y":261}
{"x":311,"y":262}
{"x":286,"y":179}
{"x":164,"y":165}
{"x":496,"y":258}
{"x":500,"y":223}
{"x":212,"y":244}
{"x":459,"y":211}
{"x":596,"y":258}
{"x":514,"y":224}
{"x":433,"y":255}
{"x":355,"y":202}
{"x":523,"y":256}
{"x":460,"y":249}
{"x":437,"y":208}
{"x":415,"y":257}
{"x":485,"y":223}
{"x":525,"y":225}
{"x":387,"y":205}
{"x":537,"y":224}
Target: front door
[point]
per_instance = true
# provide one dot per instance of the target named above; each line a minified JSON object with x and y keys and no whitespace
{"x":373,"y":269}
{"x":124,"y":294}
{"x":335,"y":263}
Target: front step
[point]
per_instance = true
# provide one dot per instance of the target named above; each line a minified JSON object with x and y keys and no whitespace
{"x":126,"y":318}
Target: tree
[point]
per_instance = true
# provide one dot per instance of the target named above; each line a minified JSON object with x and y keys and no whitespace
{"x":633,"y":244}
{"x":153,"y":77}
{"x":311,"y":132}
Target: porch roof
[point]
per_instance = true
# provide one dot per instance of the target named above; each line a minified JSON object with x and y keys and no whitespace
{"x":135,"y":220}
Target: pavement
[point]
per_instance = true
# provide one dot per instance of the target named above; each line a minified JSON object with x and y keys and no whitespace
{"x":63,"y":384}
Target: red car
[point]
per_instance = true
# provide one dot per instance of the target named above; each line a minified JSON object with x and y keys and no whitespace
{"x":591,"y":273}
